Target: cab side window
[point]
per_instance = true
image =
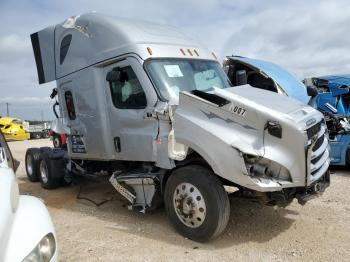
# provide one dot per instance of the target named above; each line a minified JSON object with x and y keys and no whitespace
{"x":64,"y":47}
{"x":127,"y":93}
{"x":70,"y":105}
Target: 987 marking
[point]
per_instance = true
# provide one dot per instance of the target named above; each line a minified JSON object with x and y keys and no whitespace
{"x":237,"y":110}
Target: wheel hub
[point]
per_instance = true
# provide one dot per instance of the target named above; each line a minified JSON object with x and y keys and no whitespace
{"x":189,"y":205}
{"x":43,"y":172}
{"x":29,"y":165}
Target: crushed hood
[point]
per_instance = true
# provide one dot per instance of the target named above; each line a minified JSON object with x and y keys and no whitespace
{"x":272,"y":104}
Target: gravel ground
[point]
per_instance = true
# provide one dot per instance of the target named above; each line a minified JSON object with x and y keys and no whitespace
{"x":318,"y":231}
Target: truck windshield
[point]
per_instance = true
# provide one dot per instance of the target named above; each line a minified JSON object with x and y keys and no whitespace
{"x":172,"y":75}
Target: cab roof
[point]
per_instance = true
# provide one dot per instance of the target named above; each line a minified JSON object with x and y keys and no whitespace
{"x":93,"y":38}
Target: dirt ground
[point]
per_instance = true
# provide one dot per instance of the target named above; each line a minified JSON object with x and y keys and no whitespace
{"x":318,"y":231}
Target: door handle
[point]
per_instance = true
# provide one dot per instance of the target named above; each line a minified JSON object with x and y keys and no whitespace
{"x":148,"y":114}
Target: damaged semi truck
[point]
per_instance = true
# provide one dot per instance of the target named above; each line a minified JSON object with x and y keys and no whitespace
{"x":154,"y":110}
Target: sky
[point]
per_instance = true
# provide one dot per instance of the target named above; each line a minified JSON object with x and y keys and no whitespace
{"x":309,"y":38}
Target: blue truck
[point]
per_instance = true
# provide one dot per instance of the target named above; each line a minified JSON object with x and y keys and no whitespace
{"x":334,"y":101}
{"x":329,"y":94}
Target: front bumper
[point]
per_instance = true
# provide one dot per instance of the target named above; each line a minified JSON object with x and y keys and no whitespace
{"x":302,"y":194}
{"x":314,"y":190}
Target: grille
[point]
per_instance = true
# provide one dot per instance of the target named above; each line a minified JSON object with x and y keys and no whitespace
{"x":315,"y":160}
{"x":315,"y":171}
{"x":318,"y":155}
{"x":313,"y":130}
{"x":318,"y":143}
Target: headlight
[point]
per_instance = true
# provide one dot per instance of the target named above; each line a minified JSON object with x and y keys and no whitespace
{"x":44,"y":251}
{"x":266,"y":168}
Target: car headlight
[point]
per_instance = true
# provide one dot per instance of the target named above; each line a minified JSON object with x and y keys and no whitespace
{"x":44,"y":251}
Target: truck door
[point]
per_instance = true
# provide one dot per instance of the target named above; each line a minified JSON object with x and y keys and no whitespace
{"x":131,"y":100}
{"x":76,"y":128}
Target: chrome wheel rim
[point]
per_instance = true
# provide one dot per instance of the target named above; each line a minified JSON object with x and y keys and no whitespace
{"x":29,"y":165}
{"x":189,"y":205}
{"x":43,"y":172}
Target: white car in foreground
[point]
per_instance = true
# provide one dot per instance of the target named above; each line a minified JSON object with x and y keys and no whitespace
{"x":26,"y":230}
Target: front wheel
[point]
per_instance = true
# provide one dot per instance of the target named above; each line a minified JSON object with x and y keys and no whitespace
{"x":196,"y":203}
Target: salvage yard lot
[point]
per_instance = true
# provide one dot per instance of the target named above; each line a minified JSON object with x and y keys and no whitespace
{"x":318,"y":231}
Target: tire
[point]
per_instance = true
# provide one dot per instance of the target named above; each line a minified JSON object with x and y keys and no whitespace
{"x":45,"y":134}
{"x":209,"y":204}
{"x":37,"y":135}
{"x":32,"y":162}
{"x":56,"y":140}
{"x":46,"y":179}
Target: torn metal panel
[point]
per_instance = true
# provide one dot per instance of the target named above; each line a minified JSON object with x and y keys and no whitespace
{"x":286,"y":82}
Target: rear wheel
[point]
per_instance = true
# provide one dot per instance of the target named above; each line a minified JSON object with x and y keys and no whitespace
{"x":32,"y":162}
{"x":46,"y":174}
{"x":196,"y":203}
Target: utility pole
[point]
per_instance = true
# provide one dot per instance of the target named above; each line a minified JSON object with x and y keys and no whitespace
{"x":7,"y":109}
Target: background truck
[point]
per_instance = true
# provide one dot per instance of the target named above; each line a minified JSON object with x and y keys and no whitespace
{"x":154,"y":111}
{"x":37,"y":131}
{"x":17,"y":129}
{"x":333,"y":101}
{"x":13,"y":129}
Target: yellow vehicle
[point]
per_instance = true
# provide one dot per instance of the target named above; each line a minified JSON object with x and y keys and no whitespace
{"x":13,"y":129}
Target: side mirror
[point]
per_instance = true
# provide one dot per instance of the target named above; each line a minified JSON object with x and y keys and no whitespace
{"x":241,"y":77}
{"x":114,"y":75}
{"x":312,"y":91}
{"x":226,"y":69}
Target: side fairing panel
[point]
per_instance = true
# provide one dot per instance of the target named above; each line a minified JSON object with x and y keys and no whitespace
{"x":43,"y":43}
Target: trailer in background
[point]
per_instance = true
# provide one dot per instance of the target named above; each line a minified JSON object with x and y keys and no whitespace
{"x":39,"y":130}
{"x":17,"y":129}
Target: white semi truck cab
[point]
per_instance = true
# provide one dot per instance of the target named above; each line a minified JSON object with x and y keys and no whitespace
{"x":155,"y":112}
